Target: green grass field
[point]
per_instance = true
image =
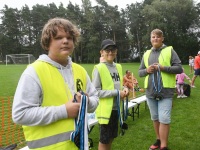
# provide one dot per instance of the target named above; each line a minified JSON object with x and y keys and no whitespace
{"x":185,"y":126}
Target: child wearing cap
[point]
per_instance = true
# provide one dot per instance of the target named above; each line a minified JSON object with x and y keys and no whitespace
{"x":107,"y":79}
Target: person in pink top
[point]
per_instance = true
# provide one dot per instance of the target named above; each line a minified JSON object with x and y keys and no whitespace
{"x":180,"y":83}
{"x":196,"y":68}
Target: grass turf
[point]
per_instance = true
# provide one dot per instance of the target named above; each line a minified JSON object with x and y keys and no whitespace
{"x":140,"y":135}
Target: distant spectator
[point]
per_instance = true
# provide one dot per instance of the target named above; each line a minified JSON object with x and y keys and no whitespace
{"x":102,"y":59}
{"x":180,"y":84}
{"x":191,"y":64}
{"x":130,"y":81}
{"x":196,"y":68}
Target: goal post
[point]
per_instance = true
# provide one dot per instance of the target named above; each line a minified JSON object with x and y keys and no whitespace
{"x":19,"y":59}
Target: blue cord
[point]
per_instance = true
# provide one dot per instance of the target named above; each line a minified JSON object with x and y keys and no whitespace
{"x":125,"y":109}
{"x":157,"y":88}
{"x":80,"y":123}
{"x":118,"y":108}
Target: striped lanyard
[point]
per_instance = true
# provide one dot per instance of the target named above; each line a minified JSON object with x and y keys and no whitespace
{"x":157,"y":88}
{"x":125,"y":109}
{"x":80,"y":135}
{"x":123,"y":125}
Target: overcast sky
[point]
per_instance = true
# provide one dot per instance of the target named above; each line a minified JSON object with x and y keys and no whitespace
{"x":19,"y":3}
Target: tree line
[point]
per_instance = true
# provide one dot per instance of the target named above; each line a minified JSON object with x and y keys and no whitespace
{"x":130,"y":27}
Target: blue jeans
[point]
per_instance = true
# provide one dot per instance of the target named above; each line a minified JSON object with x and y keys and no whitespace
{"x":160,"y":109}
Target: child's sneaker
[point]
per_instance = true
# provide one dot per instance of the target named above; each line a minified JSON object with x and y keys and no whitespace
{"x":183,"y":96}
{"x":179,"y":96}
{"x":192,"y":86}
{"x":155,"y":146}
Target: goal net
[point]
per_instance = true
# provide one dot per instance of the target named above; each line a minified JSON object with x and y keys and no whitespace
{"x":19,"y":59}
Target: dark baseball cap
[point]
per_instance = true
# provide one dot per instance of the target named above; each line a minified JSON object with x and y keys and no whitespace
{"x":106,"y":43}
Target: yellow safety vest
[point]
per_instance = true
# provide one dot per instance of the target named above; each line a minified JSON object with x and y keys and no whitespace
{"x":55,"y":136}
{"x":164,"y":59}
{"x":104,"y":109}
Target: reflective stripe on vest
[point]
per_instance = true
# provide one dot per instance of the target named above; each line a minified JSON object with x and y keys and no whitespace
{"x":165,"y":60}
{"x":49,"y":140}
{"x":55,"y":93}
{"x":104,"y":108}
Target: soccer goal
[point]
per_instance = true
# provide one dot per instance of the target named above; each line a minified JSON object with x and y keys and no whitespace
{"x":19,"y":59}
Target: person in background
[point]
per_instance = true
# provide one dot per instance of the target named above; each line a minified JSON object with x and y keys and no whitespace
{"x":43,"y":101}
{"x":131,"y":82}
{"x":159,"y":66}
{"x":196,"y":68}
{"x":101,"y":59}
{"x":180,"y":84}
{"x":191,"y":64}
{"x":107,"y":78}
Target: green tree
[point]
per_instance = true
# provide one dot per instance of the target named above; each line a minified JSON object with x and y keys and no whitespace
{"x":174,"y":18}
{"x":135,"y":23}
{"x":39,"y":16}
{"x":26,"y":27}
{"x":20,"y":30}
{"x":10,"y":34}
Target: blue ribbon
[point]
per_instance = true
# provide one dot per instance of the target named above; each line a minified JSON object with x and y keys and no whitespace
{"x":78,"y":135}
{"x":125,"y":109}
{"x":123,"y":125}
{"x":118,"y":108}
{"x":157,"y":88}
